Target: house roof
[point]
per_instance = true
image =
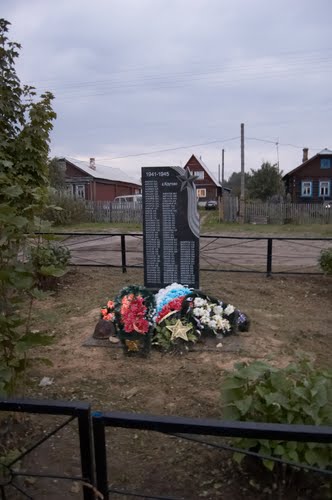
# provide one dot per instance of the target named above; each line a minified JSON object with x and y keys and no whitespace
{"x":322,"y":152}
{"x":102,"y":171}
{"x":207,"y":170}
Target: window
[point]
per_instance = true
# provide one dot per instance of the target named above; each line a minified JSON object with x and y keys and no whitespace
{"x":201,"y":193}
{"x":325,"y":163}
{"x":199,"y":174}
{"x":80,"y":191}
{"x":306,"y":188}
{"x":324,"y":188}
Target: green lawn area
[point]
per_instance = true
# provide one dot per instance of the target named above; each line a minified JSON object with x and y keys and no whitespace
{"x":211,"y":224}
{"x":91,"y":227}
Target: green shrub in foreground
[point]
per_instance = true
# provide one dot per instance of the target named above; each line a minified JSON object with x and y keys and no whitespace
{"x":297,"y":394}
{"x":325,"y":260}
{"x":49,"y":262}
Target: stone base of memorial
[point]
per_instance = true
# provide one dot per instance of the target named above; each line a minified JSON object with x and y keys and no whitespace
{"x":136,"y":344}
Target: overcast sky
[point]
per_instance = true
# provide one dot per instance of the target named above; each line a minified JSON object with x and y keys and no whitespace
{"x":140,"y":76}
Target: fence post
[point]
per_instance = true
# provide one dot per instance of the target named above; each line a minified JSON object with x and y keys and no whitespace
{"x":100,"y":454}
{"x":86,"y":452}
{"x":269,"y":257}
{"x":123,"y":253}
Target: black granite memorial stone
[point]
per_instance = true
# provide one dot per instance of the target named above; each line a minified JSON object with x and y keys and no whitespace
{"x":170,"y":227}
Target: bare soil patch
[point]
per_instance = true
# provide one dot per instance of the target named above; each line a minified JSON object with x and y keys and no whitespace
{"x":287,"y":314}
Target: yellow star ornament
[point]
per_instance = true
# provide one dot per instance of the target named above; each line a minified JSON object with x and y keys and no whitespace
{"x":179,"y":330}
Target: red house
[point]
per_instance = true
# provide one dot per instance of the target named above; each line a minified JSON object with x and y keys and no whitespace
{"x":311,"y":182}
{"x":90,"y":181}
{"x":207,"y":185}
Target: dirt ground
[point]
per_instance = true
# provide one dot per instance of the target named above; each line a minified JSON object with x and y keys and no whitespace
{"x":288,"y":314}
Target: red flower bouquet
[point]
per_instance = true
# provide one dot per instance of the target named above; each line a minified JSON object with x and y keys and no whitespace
{"x":134,"y":309}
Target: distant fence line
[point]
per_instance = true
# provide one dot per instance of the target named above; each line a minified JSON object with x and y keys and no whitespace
{"x":287,"y":213}
{"x":108,"y":211}
{"x":257,"y":212}
{"x":254,"y":212}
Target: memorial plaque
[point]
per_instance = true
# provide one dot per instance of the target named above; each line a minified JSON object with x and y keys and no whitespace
{"x":170,"y":227}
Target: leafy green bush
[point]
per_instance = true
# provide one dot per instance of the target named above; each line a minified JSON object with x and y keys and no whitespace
{"x":49,"y":263}
{"x":63,"y":210}
{"x":26,"y":123}
{"x":297,"y":394}
{"x":325,"y":260}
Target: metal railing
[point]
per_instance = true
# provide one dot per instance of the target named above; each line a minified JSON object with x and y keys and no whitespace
{"x":250,"y":254}
{"x":80,"y":412}
{"x":186,"y":428}
{"x":94,"y":448}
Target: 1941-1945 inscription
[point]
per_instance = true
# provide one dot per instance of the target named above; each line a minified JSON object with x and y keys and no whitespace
{"x":170,"y":227}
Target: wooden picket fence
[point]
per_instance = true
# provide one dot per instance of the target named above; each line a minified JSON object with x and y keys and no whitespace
{"x":254,"y":212}
{"x":108,"y":211}
{"x":287,"y":213}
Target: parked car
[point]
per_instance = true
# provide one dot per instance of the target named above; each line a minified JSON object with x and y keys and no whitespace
{"x":128,"y":201}
{"x":211,"y":205}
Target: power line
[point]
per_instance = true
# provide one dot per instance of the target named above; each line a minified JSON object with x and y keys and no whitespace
{"x":171,"y":149}
{"x":220,"y":141}
{"x":228,"y":78}
{"x":290,"y":54}
{"x":280,"y":143}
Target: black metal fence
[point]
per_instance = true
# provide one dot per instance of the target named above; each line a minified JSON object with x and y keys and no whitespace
{"x":80,"y":412}
{"x":91,"y":429}
{"x":250,"y":254}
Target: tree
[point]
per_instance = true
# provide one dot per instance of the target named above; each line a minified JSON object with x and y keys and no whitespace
{"x":56,"y":173}
{"x":234,"y":182}
{"x":265,"y":182}
{"x":25,"y":127}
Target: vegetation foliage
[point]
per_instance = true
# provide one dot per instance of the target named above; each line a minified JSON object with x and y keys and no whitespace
{"x":325,"y":260}
{"x":25,"y":125}
{"x":57,"y":174}
{"x":49,"y":262}
{"x":63,"y":210}
{"x":297,"y":394}
{"x":262,"y":184}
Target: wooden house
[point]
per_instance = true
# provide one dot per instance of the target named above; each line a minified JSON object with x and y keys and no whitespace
{"x":207,"y":185}
{"x":311,"y":182}
{"x":91,"y":181}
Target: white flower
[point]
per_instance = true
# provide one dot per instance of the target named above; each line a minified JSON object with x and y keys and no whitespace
{"x":217,"y":310}
{"x":198,"y":302}
{"x":198,"y":311}
{"x":229,"y":310}
{"x":225,"y":325}
{"x":205,"y":319}
{"x":212,"y":324}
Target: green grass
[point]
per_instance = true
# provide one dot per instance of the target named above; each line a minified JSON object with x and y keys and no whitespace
{"x":211,"y":224}
{"x":100,"y":226}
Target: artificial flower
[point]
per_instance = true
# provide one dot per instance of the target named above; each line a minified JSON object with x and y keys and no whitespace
{"x":229,"y":310}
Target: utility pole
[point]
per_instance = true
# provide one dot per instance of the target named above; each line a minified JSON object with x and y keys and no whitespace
{"x":241,"y":211}
{"x":222,"y":198}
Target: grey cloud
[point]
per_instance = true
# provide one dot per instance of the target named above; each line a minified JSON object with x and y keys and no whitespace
{"x":132,"y":76}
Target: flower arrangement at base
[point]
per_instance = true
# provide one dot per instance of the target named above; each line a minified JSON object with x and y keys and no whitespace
{"x":175,"y":335}
{"x":212,"y":316}
{"x":107,"y":312}
{"x":134,"y":310}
